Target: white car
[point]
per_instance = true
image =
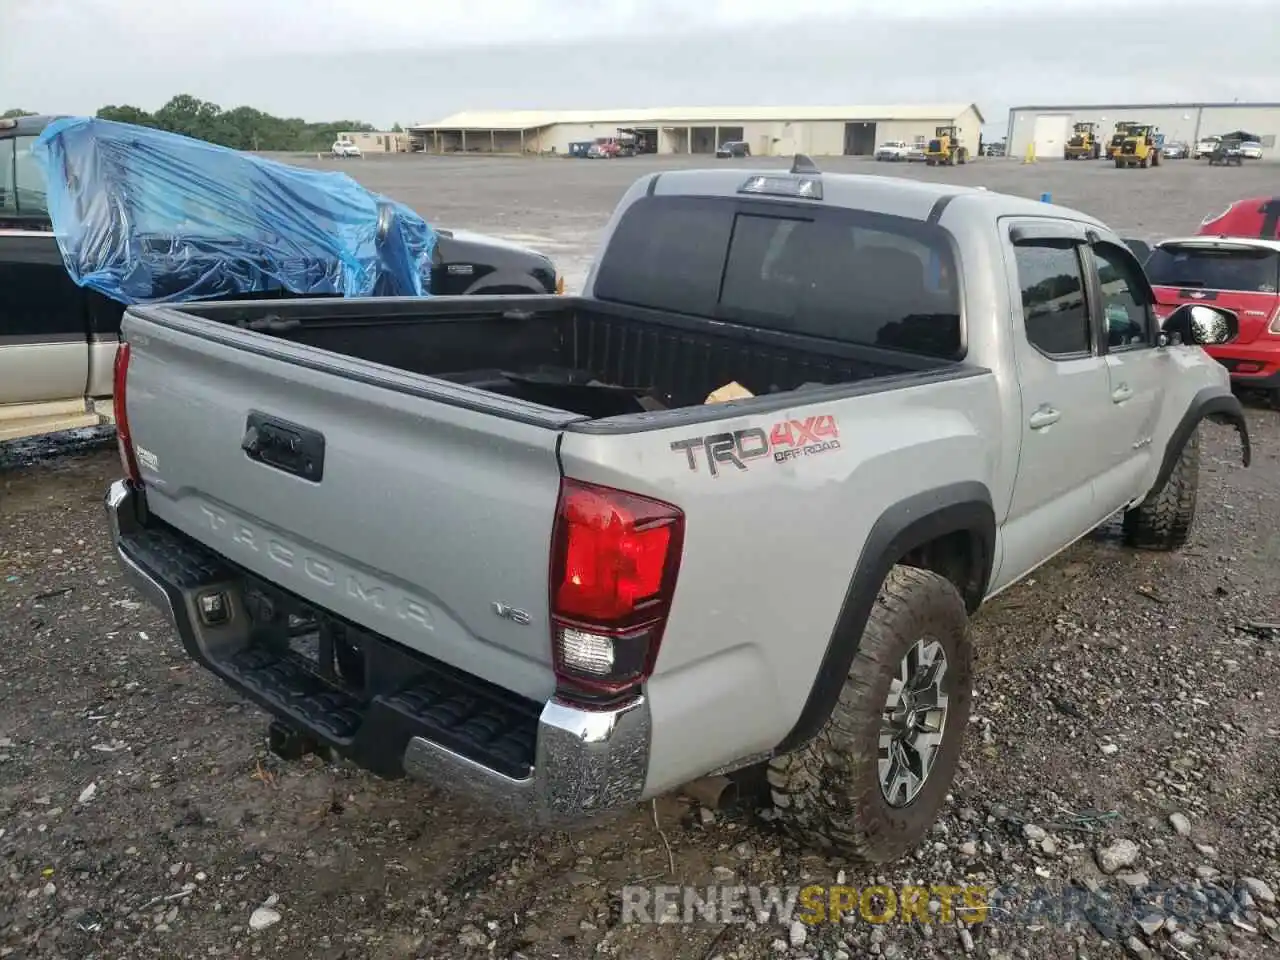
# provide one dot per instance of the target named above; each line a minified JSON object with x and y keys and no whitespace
{"x":1251,"y":150}
{"x":345,"y":148}
{"x":1205,"y":146}
{"x":892,"y":150}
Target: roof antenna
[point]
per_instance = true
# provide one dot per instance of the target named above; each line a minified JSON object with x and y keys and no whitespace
{"x":803,"y":164}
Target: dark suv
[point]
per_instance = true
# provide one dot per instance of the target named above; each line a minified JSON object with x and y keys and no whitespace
{"x":734,"y":148}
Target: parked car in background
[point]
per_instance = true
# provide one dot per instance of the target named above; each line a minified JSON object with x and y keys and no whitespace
{"x":733,"y":148}
{"x":1205,"y":147}
{"x":345,"y":148}
{"x":1226,"y":153}
{"x":1251,"y":217}
{"x":581,"y":148}
{"x":1241,"y":274}
{"x":1251,"y":150}
{"x":918,"y":152}
{"x":1175,"y":150}
{"x":58,"y":337}
{"x":893,"y":150}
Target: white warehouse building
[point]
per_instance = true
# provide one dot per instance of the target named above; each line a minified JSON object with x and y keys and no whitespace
{"x":768,"y":131}
{"x":1049,"y":128}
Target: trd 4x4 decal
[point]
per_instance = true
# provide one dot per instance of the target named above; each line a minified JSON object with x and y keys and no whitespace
{"x":787,"y":440}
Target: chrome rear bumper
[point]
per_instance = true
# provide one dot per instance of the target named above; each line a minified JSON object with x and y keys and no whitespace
{"x":583,"y":761}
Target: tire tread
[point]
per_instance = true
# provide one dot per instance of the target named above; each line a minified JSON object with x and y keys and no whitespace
{"x":809,"y":787}
{"x":1163,"y":521}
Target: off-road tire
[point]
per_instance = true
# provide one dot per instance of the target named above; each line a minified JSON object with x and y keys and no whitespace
{"x":1163,"y":520}
{"x":827,"y":793}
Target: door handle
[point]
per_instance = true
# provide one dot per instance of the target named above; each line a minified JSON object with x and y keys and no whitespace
{"x":1121,"y":393}
{"x":1044,"y":417}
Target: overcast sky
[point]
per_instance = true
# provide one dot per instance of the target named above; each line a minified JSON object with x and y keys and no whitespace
{"x":402,"y":61}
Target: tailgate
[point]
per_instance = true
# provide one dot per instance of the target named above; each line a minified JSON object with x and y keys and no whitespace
{"x":425,"y":514}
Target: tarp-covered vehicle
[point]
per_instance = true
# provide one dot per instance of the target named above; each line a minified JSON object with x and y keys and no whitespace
{"x":146,"y":216}
{"x":95,"y":215}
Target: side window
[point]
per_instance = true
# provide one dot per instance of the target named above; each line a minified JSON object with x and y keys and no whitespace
{"x":22,"y":184}
{"x":8,"y":196}
{"x":1053,"y":304}
{"x":1126,"y":315}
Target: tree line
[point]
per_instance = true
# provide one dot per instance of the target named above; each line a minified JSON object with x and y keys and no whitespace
{"x":242,"y":128}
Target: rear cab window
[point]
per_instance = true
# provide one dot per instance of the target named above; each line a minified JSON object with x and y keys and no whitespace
{"x":838,"y":274}
{"x":1191,"y":266}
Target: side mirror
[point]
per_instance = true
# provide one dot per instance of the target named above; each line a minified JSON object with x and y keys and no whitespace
{"x":1200,"y":324}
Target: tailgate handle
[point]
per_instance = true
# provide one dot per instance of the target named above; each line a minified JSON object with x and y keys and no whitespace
{"x":284,"y":446}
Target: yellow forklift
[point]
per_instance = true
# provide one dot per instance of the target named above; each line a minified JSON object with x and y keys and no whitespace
{"x":945,"y":149}
{"x":1084,"y":143}
{"x":1139,"y":148}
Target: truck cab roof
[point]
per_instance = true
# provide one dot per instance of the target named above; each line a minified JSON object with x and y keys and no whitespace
{"x":31,"y":126}
{"x":915,"y":199}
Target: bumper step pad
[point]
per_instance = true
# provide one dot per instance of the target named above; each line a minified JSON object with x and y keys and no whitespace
{"x":464,"y":714}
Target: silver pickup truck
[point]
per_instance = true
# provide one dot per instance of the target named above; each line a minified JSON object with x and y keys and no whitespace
{"x":506,"y":545}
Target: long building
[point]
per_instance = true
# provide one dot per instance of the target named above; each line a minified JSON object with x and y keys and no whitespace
{"x":769,"y":131}
{"x":1049,"y":127}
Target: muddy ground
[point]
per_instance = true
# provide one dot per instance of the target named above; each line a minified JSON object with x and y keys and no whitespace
{"x":1121,"y":697}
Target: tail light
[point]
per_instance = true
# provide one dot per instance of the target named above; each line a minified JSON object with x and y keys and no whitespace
{"x":614,"y":561}
{"x":1275,"y":323}
{"x":124,"y":440}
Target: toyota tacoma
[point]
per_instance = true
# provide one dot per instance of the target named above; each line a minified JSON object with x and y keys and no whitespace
{"x":728,"y":510}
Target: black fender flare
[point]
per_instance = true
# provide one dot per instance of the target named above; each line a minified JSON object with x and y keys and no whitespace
{"x":1218,"y":404}
{"x":906,"y":525}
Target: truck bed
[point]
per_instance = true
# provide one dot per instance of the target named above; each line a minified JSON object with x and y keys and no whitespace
{"x":580,"y":356}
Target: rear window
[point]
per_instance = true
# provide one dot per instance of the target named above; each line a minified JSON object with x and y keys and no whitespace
{"x":841,"y":275}
{"x":1254,"y":270}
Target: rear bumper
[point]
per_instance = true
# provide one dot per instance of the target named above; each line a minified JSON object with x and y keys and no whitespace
{"x":1255,"y":365}
{"x":551,"y":763}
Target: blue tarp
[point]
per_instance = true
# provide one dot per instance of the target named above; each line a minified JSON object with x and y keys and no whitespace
{"x":146,"y":216}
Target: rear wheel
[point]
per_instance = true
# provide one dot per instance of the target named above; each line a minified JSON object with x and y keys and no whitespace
{"x":870,"y":784}
{"x":1163,"y":521}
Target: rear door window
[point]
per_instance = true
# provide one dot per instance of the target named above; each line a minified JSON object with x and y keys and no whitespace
{"x":841,"y":275}
{"x":22,"y":184}
{"x":1054,"y":311}
{"x":1249,"y":269}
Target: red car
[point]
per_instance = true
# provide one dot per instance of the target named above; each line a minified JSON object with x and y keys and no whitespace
{"x":1241,"y":273}
{"x":1255,"y":217}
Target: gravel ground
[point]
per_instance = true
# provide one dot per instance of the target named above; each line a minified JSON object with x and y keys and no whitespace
{"x":1126,"y":735}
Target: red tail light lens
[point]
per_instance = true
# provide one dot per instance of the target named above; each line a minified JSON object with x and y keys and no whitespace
{"x":614,"y":561}
{"x":124,"y":440}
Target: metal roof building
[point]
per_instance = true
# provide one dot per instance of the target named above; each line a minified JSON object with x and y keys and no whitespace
{"x":769,"y":131}
{"x":1048,"y":127}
